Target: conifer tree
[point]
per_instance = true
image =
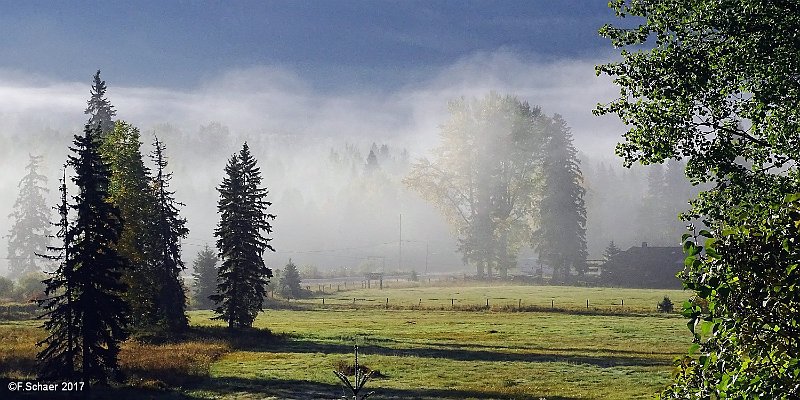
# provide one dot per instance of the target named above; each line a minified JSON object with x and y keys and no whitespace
{"x":243,"y":217}
{"x":166,"y":233}
{"x":372,"y":162}
{"x":290,"y":281}
{"x":89,"y":278}
{"x":60,"y":358}
{"x":561,"y":238}
{"x":611,"y":251}
{"x":101,"y":112}
{"x":205,"y":277}
{"x":30,"y":231}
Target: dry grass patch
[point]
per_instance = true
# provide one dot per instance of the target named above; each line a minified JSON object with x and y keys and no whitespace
{"x":171,"y":364}
{"x":18,"y":350}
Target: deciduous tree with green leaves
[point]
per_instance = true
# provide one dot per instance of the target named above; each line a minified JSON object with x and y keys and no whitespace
{"x":129,"y":189}
{"x":716,"y":82}
{"x":485,"y":178}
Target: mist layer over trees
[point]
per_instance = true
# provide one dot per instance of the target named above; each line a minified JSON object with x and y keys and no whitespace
{"x":340,"y":207}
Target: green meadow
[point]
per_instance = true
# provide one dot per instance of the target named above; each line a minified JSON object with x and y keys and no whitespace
{"x":427,"y":353}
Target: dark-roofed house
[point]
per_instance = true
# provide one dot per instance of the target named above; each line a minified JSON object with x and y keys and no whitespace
{"x":645,"y":267}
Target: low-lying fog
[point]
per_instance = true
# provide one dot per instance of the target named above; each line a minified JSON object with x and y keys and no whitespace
{"x":312,"y":147}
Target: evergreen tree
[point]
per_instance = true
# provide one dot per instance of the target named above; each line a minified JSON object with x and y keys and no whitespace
{"x":205,"y":277}
{"x":372,"y":161}
{"x":30,"y":231}
{"x":60,"y":358}
{"x":561,"y":237}
{"x":166,"y":233}
{"x":87,"y":315}
{"x":130,"y":191}
{"x":101,"y":112}
{"x":290,"y":281}
{"x":243,"y":218}
{"x":611,"y":251}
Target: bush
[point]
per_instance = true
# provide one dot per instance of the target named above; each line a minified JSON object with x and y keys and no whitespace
{"x":30,"y":287}
{"x":6,"y":288}
{"x":666,"y":305}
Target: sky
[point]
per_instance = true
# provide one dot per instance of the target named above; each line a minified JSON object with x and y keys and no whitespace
{"x":314,"y":74}
{"x":333,"y":45}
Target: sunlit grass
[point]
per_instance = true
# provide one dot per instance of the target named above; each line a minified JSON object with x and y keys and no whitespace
{"x":447,"y":354}
{"x":422,"y":354}
{"x":471,"y":296}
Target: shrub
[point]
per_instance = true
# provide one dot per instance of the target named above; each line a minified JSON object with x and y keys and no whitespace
{"x":666,"y":305}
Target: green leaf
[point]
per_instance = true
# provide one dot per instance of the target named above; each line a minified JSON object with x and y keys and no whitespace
{"x":707,"y":328}
{"x":791,"y":198}
{"x":706,"y":233}
{"x":694,"y":348}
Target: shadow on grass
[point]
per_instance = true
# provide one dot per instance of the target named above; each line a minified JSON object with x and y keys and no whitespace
{"x":300,"y":389}
{"x":237,"y":339}
{"x":299,"y":345}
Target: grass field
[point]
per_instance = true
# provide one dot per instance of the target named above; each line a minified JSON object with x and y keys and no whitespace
{"x":509,"y":297}
{"x":421,"y":354}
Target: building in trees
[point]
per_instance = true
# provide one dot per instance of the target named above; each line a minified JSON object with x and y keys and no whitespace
{"x":560,"y":239}
{"x":86,"y":314}
{"x":644,"y":267}
{"x":485,"y":178}
{"x":30,"y":228}
{"x":244,"y":220}
{"x":205,"y":277}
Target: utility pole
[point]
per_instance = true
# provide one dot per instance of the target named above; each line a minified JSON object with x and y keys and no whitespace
{"x":400,"y":251}
{"x":426,"y":258}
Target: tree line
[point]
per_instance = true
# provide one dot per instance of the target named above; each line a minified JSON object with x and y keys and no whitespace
{"x":119,"y":247}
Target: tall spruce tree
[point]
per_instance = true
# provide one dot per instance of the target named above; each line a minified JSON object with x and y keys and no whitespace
{"x":243,"y":218}
{"x":561,"y":237}
{"x":101,"y":112}
{"x":205,"y":277}
{"x":60,"y":359}
{"x":87,"y":288}
{"x":166,"y":233}
{"x":30,"y":231}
